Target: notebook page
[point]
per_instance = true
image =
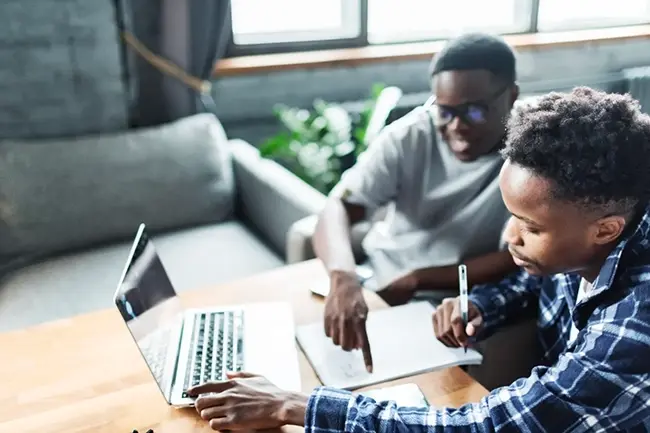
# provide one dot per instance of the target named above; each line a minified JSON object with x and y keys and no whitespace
{"x":402,"y":344}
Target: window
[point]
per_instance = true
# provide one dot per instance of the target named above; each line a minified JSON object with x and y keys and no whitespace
{"x":266,"y":26}
{"x":412,"y":20}
{"x":282,"y":21}
{"x":575,"y":14}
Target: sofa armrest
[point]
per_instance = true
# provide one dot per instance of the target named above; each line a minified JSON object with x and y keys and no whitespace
{"x":299,"y":240}
{"x":301,"y":233}
{"x":269,"y":197}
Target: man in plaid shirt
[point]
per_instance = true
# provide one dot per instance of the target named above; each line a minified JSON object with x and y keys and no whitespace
{"x":576,"y":180}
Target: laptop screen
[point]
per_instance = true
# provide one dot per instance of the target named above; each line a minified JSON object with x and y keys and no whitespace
{"x":150,"y":308}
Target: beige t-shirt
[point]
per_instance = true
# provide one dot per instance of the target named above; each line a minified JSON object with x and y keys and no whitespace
{"x":440,"y":211}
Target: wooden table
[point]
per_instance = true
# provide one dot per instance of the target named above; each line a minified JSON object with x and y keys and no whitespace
{"x":84,"y":374}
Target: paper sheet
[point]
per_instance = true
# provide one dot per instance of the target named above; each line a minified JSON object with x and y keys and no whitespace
{"x":406,"y":395}
{"x":402,"y":344}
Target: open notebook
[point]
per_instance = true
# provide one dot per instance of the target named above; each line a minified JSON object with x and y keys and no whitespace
{"x":402,"y":344}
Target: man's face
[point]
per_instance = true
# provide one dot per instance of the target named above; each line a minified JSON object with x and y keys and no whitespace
{"x":471,"y":110}
{"x":547,"y":236}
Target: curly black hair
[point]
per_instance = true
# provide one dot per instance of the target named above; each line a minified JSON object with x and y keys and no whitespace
{"x":593,"y":146}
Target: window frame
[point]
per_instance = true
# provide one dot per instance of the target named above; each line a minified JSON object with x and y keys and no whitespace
{"x":361,"y":40}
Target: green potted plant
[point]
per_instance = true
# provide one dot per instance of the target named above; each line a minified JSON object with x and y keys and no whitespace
{"x":319,"y":145}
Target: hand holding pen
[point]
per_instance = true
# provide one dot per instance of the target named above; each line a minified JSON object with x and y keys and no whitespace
{"x":456,"y":320}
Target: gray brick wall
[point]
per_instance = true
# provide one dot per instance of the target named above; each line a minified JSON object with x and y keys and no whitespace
{"x":245,"y":103}
{"x":60,"y":69}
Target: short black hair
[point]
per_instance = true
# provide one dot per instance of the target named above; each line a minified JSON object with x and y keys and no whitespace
{"x":593,"y":146}
{"x":477,"y":51}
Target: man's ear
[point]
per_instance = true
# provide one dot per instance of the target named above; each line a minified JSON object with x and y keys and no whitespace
{"x":514,"y":94}
{"x":608,"y":229}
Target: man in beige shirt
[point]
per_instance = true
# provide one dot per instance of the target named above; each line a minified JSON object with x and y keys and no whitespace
{"x":436,"y":173}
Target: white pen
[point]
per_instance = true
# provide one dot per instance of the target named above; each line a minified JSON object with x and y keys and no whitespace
{"x":464,"y":303}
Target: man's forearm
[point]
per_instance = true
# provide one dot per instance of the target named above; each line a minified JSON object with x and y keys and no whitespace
{"x":331,"y":241}
{"x":488,"y":268}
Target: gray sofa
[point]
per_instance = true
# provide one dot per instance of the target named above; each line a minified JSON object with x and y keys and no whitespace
{"x":69,"y":208}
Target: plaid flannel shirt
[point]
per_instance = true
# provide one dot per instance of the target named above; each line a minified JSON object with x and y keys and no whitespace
{"x":599,"y":383}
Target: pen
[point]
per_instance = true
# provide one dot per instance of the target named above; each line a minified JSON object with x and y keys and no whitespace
{"x":462,"y":285}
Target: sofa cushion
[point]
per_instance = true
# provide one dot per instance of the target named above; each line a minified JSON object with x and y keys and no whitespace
{"x":63,"y":194}
{"x":77,"y":283}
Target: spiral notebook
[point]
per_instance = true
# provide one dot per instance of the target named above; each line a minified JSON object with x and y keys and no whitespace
{"x":402,"y":344}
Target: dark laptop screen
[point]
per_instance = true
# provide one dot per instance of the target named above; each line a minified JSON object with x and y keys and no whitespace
{"x":149,"y":306}
{"x":145,"y":284}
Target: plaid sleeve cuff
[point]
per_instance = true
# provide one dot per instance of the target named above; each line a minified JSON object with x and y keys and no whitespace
{"x":488,"y":310}
{"x":327,"y":410}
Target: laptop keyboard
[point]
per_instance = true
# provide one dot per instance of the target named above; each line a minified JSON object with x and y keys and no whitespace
{"x":217,"y":347}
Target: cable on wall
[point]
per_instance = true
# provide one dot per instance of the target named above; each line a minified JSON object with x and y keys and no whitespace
{"x":165,"y":66}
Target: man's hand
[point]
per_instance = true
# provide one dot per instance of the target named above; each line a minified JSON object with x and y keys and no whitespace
{"x":400,"y":291}
{"x":346,"y":313}
{"x":448,"y":323}
{"x":247,"y":401}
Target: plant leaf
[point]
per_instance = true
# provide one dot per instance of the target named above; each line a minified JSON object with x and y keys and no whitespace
{"x":317,"y":144}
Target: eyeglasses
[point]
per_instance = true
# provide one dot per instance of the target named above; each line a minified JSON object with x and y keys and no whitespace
{"x":473,"y":113}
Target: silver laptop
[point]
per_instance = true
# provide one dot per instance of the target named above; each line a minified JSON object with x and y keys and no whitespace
{"x":185,"y":347}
